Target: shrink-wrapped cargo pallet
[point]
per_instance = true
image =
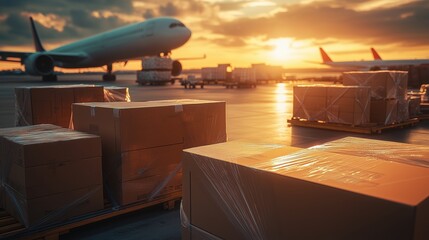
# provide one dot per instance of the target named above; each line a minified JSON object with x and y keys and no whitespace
{"x":143,"y":141}
{"x":39,"y":165}
{"x":248,"y":191}
{"x":52,"y":104}
{"x":334,"y":104}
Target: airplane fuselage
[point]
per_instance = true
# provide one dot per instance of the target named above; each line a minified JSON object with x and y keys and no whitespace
{"x":147,"y":38}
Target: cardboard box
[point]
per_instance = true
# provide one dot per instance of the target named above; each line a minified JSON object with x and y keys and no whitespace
{"x":384,"y":84}
{"x":311,"y":195}
{"x":309,"y":102}
{"x":39,"y":167}
{"x":384,"y":112}
{"x":52,"y":104}
{"x":413,"y":154}
{"x":204,"y":121}
{"x":54,"y":208}
{"x":116,"y":94}
{"x":143,"y":163}
{"x":128,"y":126}
{"x":348,"y":105}
{"x":143,"y":175}
{"x":146,"y":189}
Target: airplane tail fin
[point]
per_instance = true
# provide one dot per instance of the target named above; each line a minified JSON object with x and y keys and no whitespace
{"x":325,"y":57}
{"x":375,"y":54}
{"x":37,"y":43}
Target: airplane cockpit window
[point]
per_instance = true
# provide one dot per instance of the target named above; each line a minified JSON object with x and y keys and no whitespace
{"x":177,"y":24}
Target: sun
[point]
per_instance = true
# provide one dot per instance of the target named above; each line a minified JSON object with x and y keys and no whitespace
{"x":280,"y":49}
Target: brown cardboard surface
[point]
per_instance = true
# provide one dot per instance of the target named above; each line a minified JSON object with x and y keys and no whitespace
{"x":316,"y":195}
{"x":142,"y":163}
{"x":39,"y":147}
{"x":384,"y":111}
{"x":348,"y":105}
{"x":384,"y":84}
{"x":52,"y":104}
{"x":145,"y":189}
{"x":204,"y":121}
{"x":413,"y":154}
{"x":88,"y":93}
{"x":43,"y":180}
{"x":309,"y":102}
{"x":56,"y":207}
{"x":128,"y":126}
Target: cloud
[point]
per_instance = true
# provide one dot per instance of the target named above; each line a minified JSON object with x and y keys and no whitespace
{"x":77,"y":15}
{"x":169,"y":9}
{"x":324,"y":21}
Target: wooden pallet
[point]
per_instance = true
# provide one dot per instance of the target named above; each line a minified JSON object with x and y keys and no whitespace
{"x":365,"y":129}
{"x":10,"y":228}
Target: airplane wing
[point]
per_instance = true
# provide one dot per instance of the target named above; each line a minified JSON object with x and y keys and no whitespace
{"x":61,"y":57}
{"x":14,"y":56}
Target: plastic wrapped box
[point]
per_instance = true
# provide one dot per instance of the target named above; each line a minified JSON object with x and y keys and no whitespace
{"x":39,"y":165}
{"x":52,"y":104}
{"x":306,"y":194}
{"x":384,"y":84}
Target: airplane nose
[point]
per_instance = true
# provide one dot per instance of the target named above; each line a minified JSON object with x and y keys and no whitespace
{"x":187,"y":34}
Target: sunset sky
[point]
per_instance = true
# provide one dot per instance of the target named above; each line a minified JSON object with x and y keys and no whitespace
{"x":277,"y":32}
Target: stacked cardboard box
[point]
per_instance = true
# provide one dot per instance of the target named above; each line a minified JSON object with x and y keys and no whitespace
{"x":311,"y":195}
{"x":309,"y":102}
{"x":388,"y":94}
{"x":335,"y":104}
{"x":116,"y":94}
{"x":52,"y":104}
{"x":142,"y":142}
{"x":39,"y":167}
{"x":204,"y":121}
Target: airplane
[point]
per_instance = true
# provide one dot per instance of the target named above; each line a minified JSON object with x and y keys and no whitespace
{"x":153,"y":37}
{"x":399,"y":62}
{"x":375,"y":64}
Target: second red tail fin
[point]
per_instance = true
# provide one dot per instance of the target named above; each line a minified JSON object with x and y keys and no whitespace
{"x":375,"y":54}
{"x":325,"y":56}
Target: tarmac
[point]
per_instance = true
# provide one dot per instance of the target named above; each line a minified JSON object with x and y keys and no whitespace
{"x":257,"y":115}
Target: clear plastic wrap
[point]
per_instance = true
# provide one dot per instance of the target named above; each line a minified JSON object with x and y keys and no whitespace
{"x":414,"y":106}
{"x":52,"y":104}
{"x":39,"y":165}
{"x":143,"y":142}
{"x":300,"y":194}
{"x":335,"y":104}
{"x":384,"y":84}
{"x":383,"y":150}
{"x":116,"y":94}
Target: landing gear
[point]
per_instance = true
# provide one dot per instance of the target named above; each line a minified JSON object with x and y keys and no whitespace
{"x":50,"y":78}
{"x":109,"y":76}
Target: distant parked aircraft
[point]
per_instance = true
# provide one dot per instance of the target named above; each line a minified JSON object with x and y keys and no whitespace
{"x":375,"y":64}
{"x":157,"y":36}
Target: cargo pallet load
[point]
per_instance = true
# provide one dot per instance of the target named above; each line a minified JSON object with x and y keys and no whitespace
{"x":242,"y":78}
{"x":351,"y":188}
{"x":156,"y":71}
{"x":139,"y":156}
{"x":367,"y":102}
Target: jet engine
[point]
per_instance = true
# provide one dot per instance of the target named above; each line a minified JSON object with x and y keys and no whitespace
{"x":176,"y":68}
{"x":39,"y":64}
